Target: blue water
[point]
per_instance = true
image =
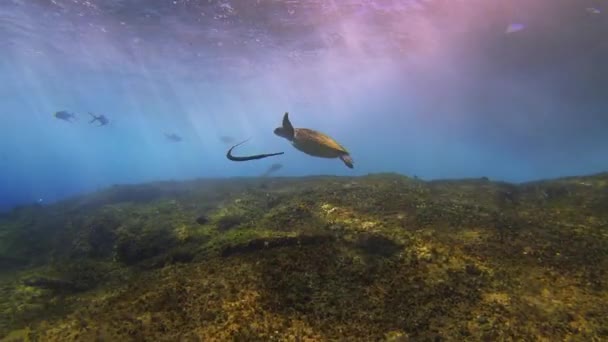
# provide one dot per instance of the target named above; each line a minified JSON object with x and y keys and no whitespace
{"x":436,"y":89}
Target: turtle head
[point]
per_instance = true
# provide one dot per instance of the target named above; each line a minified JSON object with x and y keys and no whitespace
{"x":286,"y":131}
{"x":280,"y":131}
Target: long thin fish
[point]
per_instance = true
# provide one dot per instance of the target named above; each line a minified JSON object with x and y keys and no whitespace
{"x":246,"y":158}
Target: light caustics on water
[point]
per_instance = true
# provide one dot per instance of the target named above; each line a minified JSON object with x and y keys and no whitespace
{"x":507,"y":89}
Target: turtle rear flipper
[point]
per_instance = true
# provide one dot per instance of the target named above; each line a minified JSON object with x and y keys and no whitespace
{"x":348,"y":161}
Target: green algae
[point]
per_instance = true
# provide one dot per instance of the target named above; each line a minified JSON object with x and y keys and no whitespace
{"x":381,"y":257}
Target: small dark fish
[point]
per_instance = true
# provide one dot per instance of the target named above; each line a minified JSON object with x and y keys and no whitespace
{"x":64,"y":115}
{"x":173,"y":137}
{"x":275,"y":167}
{"x":101,"y":118}
{"x":227,"y":140}
{"x":272,"y":169}
{"x":246,"y":158}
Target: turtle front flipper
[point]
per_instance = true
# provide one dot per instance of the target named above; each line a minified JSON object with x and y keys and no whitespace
{"x":287,"y":125}
{"x":286,"y":131}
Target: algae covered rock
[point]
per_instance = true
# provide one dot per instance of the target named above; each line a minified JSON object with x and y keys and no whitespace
{"x":57,"y":285}
{"x":377,"y":258}
{"x":135,"y":243}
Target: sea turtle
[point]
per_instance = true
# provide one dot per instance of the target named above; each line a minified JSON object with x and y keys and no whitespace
{"x":312,"y":142}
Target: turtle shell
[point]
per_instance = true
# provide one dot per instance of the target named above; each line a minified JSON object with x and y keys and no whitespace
{"x":317,"y":144}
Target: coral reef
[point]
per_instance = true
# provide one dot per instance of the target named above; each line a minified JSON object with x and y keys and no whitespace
{"x":377,"y":258}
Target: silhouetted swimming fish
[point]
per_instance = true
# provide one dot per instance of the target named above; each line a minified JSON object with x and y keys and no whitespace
{"x":246,"y":158}
{"x":272,"y":169}
{"x":227,"y":139}
{"x":173,"y":137}
{"x":101,"y":118}
{"x":64,"y":115}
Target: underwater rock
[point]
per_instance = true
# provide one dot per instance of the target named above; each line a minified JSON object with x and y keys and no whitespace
{"x":57,"y":285}
{"x":291,"y":216}
{"x":202,"y":220}
{"x":9,"y":263}
{"x":149,"y":242}
{"x":508,"y":196}
{"x":600,"y":204}
{"x":377,"y":245}
{"x":411,"y":260}
{"x":472,"y":269}
{"x":259,"y":244}
{"x":179,"y":256}
{"x":130,"y":252}
{"x":102,"y":236}
{"x":556,"y":191}
{"x":228,"y":222}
